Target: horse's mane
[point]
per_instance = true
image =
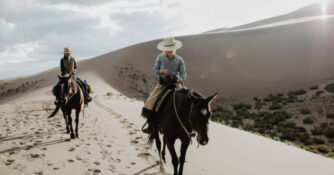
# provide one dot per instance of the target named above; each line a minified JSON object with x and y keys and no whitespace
{"x":196,"y":94}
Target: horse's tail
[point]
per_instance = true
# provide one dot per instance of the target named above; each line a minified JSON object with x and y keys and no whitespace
{"x":151,"y":137}
{"x":54,"y":112}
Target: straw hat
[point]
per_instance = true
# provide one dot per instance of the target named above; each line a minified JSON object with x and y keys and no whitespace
{"x":169,"y":44}
{"x":67,"y":50}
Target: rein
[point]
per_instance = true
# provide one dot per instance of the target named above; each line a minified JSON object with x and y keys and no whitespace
{"x":190,"y":135}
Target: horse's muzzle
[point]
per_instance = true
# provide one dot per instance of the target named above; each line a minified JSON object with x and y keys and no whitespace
{"x":204,"y":141}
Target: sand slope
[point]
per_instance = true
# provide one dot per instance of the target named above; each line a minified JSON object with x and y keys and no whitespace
{"x":238,"y":64}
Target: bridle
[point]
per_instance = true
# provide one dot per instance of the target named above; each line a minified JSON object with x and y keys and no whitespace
{"x":70,"y":95}
{"x":189,"y":134}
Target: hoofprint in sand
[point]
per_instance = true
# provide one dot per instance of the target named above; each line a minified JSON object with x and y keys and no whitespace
{"x":111,"y":143}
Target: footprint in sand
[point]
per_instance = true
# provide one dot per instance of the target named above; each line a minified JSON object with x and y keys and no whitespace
{"x":134,"y":142}
{"x":9,"y":162}
{"x":35,"y":156}
{"x":143,"y":155}
{"x":96,"y":163}
{"x":39,"y":172}
{"x":70,"y":160}
{"x":96,"y":171}
{"x":71,"y":149}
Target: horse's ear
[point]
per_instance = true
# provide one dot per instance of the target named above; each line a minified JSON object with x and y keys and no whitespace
{"x":211,"y":98}
{"x":59,"y":77}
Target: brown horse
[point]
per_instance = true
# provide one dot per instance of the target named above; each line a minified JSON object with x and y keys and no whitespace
{"x":69,"y":96}
{"x":183,"y":113}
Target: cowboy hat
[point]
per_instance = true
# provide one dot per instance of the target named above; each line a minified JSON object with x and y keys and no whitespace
{"x":67,"y":50}
{"x":169,"y":44}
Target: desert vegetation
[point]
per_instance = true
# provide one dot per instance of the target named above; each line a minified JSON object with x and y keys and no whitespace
{"x":7,"y":88}
{"x":300,"y":117}
{"x":137,"y":81}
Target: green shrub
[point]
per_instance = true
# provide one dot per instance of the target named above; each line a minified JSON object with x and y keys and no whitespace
{"x":314,"y":87}
{"x":329,"y":132}
{"x":318,"y":93}
{"x":275,"y":106}
{"x":317,"y":140}
{"x":110,"y":94}
{"x":330,"y":115}
{"x":311,"y":149}
{"x":288,"y":134}
{"x":300,"y":92}
{"x":221,"y":114}
{"x":249,"y":127}
{"x":303,"y":137}
{"x":323,"y":125}
{"x":308,"y":120}
{"x":329,"y":87}
{"x":241,"y":106}
{"x":322,"y":149}
{"x":270,"y":98}
{"x":236,"y":123}
{"x":305,"y":111}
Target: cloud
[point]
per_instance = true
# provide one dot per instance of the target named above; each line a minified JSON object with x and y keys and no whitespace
{"x":17,"y":53}
{"x":6,"y":25}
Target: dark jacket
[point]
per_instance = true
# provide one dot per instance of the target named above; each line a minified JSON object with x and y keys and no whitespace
{"x":63,"y":67}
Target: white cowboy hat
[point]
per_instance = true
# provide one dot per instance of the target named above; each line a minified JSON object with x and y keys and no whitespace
{"x":169,"y":44}
{"x":67,"y":50}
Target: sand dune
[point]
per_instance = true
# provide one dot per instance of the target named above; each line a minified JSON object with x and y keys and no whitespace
{"x":238,"y":64}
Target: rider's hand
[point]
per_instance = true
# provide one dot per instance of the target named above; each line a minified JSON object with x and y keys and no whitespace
{"x":165,"y":71}
{"x":180,"y":81}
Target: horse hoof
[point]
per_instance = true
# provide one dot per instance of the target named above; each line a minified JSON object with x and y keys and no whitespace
{"x":72,"y":136}
{"x":77,"y":135}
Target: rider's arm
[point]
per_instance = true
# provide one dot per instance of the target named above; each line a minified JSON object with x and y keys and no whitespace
{"x":156,"y":67}
{"x":74,"y":66}
{"x":182,"y":70}
{"x":62,"y":67}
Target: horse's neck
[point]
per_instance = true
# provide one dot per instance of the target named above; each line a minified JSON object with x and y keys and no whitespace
{"x":183,"y":104}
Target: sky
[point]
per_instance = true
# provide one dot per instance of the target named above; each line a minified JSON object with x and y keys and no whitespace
{"x":34,"y":32}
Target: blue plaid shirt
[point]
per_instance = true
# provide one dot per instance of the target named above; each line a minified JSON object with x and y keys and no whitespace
{"x":175,"y":65}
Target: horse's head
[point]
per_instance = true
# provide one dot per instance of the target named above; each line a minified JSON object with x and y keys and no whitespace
{"x":201,"y":112}
{"x":65,"y":88}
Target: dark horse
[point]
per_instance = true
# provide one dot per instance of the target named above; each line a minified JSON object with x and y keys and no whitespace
{"x":69,"y":96}
{"x":183,"y":113}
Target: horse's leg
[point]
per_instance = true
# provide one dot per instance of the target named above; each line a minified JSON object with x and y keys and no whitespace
{"x":77,"y":112}
{"x":184,"y":147}
{"x":158,"y":144}
{"x":163,"y":149}
{"x":70,"y":123}
{"x":66,"y":121}
{"x":171,"y":148}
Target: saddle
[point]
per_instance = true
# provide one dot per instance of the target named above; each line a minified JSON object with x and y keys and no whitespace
{"x":169,"y":84}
